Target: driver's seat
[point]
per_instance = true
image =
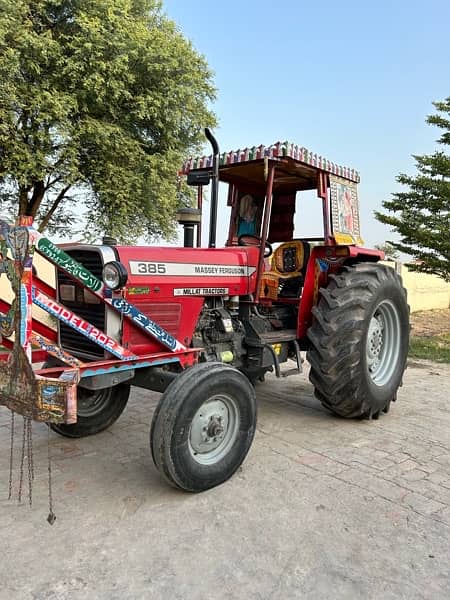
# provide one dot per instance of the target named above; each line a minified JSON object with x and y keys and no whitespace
{"x":288,"y":266}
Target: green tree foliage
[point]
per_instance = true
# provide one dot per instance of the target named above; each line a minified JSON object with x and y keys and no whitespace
{"x":100,"y":101}
{"x":421,"y":214}
{"x":390,"y":252}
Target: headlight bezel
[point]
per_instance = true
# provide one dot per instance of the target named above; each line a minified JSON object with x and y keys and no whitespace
{"x":120,"y":272}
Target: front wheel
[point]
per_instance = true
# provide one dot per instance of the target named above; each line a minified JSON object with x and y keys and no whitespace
{"x":359,"y":340}
{"x":203,"y":426}
{"x":96,"y":410}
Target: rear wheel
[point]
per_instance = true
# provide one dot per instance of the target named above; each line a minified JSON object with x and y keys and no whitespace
{"x":359,"y":340}
{"x":96,"y":411}
{"x":203,"y":426}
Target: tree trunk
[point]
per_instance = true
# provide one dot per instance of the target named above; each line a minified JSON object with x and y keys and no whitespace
{"x":23,"y":201}
{"x":46,"y":220}
{"x":36,"y":198}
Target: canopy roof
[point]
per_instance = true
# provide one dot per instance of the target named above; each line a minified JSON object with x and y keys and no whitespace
{"x":292,"y":156}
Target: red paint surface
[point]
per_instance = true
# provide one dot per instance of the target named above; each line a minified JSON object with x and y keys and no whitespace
{"x":337,"y":255}
{"x":160,"y":302}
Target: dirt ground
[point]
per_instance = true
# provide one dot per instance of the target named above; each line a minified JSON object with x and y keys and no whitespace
{"x":323,"y":508}
{"x":427,"y":323}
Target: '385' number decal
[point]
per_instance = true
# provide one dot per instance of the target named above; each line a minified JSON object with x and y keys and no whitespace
{"x":149,"y":268}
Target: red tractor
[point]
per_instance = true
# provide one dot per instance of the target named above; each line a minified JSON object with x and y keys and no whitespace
{"x":202,"y":325}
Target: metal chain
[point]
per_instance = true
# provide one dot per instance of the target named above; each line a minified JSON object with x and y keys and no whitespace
{"x":51,"y":515}
{"x":22,"y":458}
{"x":30,"y":460}
{"x":27,"y":441}
{"x":30,"y":446}
{"x":11,"y":455}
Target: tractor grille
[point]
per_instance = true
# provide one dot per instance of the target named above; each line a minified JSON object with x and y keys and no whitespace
{"x":94,"y":313}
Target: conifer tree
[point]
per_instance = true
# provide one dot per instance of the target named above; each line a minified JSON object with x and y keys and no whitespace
{"x":421,"y":213}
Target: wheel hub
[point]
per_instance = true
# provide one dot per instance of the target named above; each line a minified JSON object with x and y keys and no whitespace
{"x":90,"y":403}
{"x":374,"y":342}
{"x":383,"y":342}
{"x":213,"y":429}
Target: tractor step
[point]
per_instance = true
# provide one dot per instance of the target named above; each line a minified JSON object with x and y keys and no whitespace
{"x":276,"y":362}
{"x":289,"y":372}
{"x":272,"y":337}
{"x":298,"y":358}
{"x":277,"y":337}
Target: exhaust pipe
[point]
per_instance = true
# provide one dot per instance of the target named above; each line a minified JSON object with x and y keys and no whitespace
{"x":215,"y":188}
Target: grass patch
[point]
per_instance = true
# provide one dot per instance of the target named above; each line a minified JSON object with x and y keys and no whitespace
{"x":436,"y":348}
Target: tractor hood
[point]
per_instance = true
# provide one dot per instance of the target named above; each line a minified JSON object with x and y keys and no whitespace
{"x":191,"y":271}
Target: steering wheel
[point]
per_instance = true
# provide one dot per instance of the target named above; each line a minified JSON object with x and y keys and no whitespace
{"x":253,"y":240}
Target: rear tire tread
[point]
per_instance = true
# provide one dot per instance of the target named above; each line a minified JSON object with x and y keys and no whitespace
{"x":337,"y":338}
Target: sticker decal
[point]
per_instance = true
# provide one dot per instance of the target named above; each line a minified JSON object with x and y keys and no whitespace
{"x":189,"y":270}
{"x":66,"y":262}
{"x":135,"y":291}
{"x":80,"y":325}
{"x":147,"y":324}
{"x":55,"y":350}
{"x":321,"y":267}
{"x":345,"y":211}
{"x":200,"y":291}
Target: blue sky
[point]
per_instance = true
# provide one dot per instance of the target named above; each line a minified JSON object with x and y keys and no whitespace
{"x":350,"y":80}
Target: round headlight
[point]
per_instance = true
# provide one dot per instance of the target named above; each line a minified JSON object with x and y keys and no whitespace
{"x":114,"y":275}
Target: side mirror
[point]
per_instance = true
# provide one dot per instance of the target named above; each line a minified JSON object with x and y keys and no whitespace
{"x":198,"y":178}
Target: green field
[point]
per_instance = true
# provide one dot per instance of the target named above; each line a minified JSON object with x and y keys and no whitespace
{"x":435,"y":348}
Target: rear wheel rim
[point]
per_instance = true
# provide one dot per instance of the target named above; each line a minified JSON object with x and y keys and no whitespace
{"x":383,"y":343}
{"x":92,"y":402}
{"x":214,"y":429}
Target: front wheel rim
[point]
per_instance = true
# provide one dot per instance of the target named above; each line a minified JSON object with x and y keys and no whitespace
{"x":383,"y":343}
{"x":214,"y":429}
{"x":91,"y":403}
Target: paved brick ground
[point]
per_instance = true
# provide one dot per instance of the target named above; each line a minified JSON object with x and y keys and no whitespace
{"x":322,"y":508}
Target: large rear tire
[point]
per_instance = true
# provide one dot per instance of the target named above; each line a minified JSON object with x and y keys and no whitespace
{"x":203,"y":426}
{"x":359,"y":340}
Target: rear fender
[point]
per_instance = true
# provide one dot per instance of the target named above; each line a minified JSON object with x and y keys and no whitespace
{"x":323,"y":261}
